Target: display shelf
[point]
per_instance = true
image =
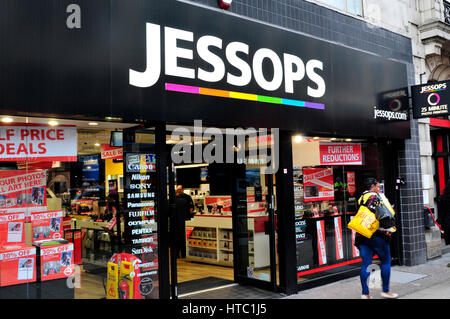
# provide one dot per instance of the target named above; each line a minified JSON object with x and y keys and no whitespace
{"x":218,"y":230}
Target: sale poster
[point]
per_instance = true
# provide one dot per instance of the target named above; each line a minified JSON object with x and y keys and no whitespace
{"x":318,"y":184}
{"x":109,"y":152}
{"x":12,"y":228}
{"x":23,"y":192}
{"x":47,"y":225}
{"x":351,"y":183}
{"x":24,"y":142}
{"x":17,"y":265}
{"x":56,"y":261}
{"x":340,"y":154}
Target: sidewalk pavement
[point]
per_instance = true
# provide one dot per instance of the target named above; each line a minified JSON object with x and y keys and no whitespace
{"x":427,"y":281}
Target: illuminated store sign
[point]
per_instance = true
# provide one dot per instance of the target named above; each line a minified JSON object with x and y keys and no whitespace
{"x":431,"y":99}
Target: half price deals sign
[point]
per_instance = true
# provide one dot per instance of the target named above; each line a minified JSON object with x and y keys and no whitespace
{"x":22,"y":142}
{"x":340,"y":154}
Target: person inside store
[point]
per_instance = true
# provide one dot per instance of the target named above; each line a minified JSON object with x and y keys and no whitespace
{"x":79,"y":194}
{"x":377,"y":244}
{"x":184,"y":210}
{"x":111,"y":209}
{"x":444,"y":213}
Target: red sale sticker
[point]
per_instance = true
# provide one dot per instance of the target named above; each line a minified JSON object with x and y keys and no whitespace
{"x":109,"y":152}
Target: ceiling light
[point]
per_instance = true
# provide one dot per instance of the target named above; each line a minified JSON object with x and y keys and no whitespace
{"x":93,"y":123}
{"x":315,"y":138}
{"x":298,"y":138}
{"x":97,"y":144}
{"x":348,"y":139}
{"x":333,"y":139}
{"x":53,"y":123}
{"x":7,"y":120}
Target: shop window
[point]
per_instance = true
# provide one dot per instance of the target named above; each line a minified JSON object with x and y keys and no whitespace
{"x":61,"y":209}
{"x":328,"y":180}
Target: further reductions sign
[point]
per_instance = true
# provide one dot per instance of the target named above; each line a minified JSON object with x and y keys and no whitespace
{"x":22,"y":142}
{"x":318,"y":184}
{"x":140,"y":221}
{"x":340,"y":154}
{"x":430,"y":99}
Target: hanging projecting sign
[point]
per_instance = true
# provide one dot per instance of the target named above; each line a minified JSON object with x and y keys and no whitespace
{"x":340,"y":154}
{"x":109,"y":152}
{"x":22,"y":142}
{"x":430,"y":99}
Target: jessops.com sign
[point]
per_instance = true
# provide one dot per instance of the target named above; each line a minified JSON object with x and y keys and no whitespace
{"x":431,"y":99}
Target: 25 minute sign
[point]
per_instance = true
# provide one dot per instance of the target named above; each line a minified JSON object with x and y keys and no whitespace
{"x":431,"y":99}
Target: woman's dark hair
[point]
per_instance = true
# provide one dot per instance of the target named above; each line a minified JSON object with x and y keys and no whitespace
{"x":368,"y":182}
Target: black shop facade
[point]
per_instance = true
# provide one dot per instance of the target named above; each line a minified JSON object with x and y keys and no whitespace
{"x":270,"y":136}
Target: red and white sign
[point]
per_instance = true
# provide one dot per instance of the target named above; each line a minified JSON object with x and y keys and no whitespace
{"x":22,"y":142}
{"x":189,"y":230}
{"x":321,"y":245}
{"x":56,"y":261}
{"x":355,"y":250}
{"x":351,"y":183}
{"x":17,"y":265}
{"x":109,"y":152}
{"x":23,"y":192}
{"x":338,"y":237}
{"x":46,"y":225}
{"x":12,"y":228}
{"x":318,"y":184}
{"x":214,"y":201}
{"x":340,"y":154}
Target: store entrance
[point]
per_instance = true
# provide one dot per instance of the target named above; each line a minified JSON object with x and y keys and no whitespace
{"x":222,"y":221}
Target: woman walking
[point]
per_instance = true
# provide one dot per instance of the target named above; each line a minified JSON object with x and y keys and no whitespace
{"x":377,"y":244}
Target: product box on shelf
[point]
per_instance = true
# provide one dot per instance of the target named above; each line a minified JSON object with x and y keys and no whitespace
{"x":46,"y":225}
{"x":54,"y":259}
{"x":17,"y":265}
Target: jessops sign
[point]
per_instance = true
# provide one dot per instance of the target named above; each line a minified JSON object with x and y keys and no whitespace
{"x":176,"y":61}
{"x":431,"y":99}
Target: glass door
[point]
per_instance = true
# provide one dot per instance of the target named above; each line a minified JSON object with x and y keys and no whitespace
{"x":254,"y":213}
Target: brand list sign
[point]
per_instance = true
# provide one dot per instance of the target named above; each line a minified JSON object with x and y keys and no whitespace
{"x":140,"y":217}
{"x":431,"y":99}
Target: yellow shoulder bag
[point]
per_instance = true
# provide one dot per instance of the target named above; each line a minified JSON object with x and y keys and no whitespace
{"x":364,"y":222}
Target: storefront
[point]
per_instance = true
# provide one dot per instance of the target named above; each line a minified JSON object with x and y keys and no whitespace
{"x":271,"y":137}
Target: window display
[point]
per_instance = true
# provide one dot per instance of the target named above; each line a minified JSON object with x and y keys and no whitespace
{"x":59,"y":211}
{"x":327,"y":182}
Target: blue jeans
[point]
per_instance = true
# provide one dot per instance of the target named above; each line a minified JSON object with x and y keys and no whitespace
{"x":368,"y":248}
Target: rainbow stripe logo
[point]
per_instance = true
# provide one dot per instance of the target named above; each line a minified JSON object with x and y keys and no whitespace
{"x":241,"y":96}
